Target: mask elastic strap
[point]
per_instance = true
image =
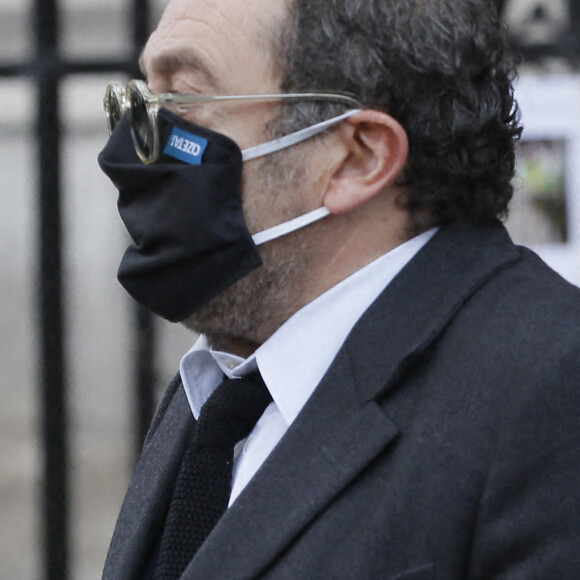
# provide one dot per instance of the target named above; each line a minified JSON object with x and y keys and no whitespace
{"x":290,"y":226}
{"x":283,"y":143}
{"x":293,"y":138}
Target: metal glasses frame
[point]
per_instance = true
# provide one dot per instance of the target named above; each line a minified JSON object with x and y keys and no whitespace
{"x":119,"y":100}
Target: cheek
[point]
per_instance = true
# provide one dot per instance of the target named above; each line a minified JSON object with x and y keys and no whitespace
{"x":273,"y":190}
{"x":241,"y":122}
{"x":256,"y":196}
{"x":208,"y":115}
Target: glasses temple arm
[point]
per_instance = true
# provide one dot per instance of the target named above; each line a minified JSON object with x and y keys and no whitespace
{"x":178,"y":99}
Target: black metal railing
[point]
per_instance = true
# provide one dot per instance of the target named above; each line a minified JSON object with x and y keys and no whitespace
{"x":47,"y":69}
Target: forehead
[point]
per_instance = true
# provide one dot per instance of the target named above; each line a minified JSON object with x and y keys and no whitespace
{"x":226,"y":43}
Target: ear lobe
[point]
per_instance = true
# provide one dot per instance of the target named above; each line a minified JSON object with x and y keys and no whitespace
{"x":376,"y":149}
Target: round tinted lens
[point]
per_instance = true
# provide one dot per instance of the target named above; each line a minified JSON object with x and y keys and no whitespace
{"x":142,"y":126}
{"x":114,"y":105}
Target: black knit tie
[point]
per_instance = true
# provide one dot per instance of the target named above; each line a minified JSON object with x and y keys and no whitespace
{"x":203,"y":486}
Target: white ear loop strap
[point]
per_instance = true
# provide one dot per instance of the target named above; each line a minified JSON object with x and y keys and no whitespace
{"x":277,"y":145}
{"x":290,"y":226}
{"x":293,"y":138}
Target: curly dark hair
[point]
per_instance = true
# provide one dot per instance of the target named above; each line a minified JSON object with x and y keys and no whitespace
{"x":441,"y":68}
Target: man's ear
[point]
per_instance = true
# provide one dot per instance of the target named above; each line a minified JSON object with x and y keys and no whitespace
{"x":374,"y":152}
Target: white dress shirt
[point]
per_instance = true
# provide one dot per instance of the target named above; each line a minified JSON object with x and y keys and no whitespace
{"x":294,"y":359}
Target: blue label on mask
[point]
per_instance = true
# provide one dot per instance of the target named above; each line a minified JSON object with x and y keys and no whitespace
{"x":185,"y":146}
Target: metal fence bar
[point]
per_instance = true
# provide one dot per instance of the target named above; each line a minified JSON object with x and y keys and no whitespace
{"x":145,"y":377}
{"x":47,"y":71}
{"x":12,"y":70}
{"x":145,"y":372}
{"x":53,"y":376}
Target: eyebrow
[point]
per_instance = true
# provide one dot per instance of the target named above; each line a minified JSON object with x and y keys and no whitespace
{"x":185,"y":59}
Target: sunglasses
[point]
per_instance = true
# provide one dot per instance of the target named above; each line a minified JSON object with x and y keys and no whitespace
{"x":142,"y":106}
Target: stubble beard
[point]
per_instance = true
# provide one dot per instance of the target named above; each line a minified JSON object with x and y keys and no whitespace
{"x":254,"y":307}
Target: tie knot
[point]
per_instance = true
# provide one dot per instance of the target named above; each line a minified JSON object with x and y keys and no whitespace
{"x":231,"y":411}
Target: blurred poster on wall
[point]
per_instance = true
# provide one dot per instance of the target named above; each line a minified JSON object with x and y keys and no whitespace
{"x":545,"y":210}
{"x":539,"y":212}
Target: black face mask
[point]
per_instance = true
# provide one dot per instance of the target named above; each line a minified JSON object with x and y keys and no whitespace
{"x":186,"y":221}
{"x":184,"y":213}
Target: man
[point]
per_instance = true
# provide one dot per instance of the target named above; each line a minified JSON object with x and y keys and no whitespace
{"x":423,"y":370}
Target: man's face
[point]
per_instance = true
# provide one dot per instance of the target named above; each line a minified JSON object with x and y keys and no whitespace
{"x":224,"y":47}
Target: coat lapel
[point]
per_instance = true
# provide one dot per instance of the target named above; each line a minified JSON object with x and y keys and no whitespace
{"x":316,"y":459}
{"x":342,"y":428}
{"x":422,"y":301}
{"x":150,"y":491}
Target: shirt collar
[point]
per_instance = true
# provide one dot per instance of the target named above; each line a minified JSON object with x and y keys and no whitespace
{"x":296,"y":357}
{"x":203,"y":368}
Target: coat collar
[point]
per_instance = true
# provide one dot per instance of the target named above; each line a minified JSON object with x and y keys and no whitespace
{"x":422,"y":301}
